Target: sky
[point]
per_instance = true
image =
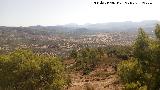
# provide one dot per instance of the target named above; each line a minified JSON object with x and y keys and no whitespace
{"x":60,"y":12}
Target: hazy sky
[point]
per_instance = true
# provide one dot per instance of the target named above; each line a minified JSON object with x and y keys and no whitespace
{"x":56,"y":12}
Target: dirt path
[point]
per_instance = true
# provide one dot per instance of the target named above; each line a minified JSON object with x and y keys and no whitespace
{"x":110,"y":83}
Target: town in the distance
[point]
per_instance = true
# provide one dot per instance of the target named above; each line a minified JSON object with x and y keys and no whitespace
{"x":58,"y":40}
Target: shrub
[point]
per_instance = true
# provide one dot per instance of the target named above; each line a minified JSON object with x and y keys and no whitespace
{"x":23,"y":70}
{"x":129,"y":71}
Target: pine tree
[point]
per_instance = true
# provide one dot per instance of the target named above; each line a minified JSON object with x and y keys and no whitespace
{"x":156,"y":60}
{"x":142,"y":50}
{"x":157,"y":31}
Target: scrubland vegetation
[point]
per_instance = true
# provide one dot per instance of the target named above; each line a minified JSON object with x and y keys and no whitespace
{"x":135,"y":67}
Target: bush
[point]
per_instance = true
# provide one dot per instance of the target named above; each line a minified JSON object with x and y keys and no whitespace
{"x":87,"y":59}
{"x":135,"y":86}
{"x":23,"y":70}
{"x":129,"y":71}
{"x":132,"y":86}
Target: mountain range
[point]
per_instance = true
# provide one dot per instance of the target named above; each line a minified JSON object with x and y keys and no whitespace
{"x":127,"y":26}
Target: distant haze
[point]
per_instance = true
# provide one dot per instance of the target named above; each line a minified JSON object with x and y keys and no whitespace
{"x":60,"y":12}
{"x":148,"y":26}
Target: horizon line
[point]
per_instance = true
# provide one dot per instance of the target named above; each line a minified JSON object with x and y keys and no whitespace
{"x":72,"y":23}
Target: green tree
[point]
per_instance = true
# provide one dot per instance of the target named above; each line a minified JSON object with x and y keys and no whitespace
{"x":157,"y":31}
{"x":147,"y":56}
{"x":100,"y":52}
{"x":74,"y":54}
{"x":156,"y":60}
{"x":87,"y":59}
{"x":142,"y":49}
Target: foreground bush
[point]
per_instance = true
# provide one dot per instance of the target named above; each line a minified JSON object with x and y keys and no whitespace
{"x":129,"y":71}
{"x":23,"y":70}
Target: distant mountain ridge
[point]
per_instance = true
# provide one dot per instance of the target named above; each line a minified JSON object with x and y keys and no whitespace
{"x":127,"y":26}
